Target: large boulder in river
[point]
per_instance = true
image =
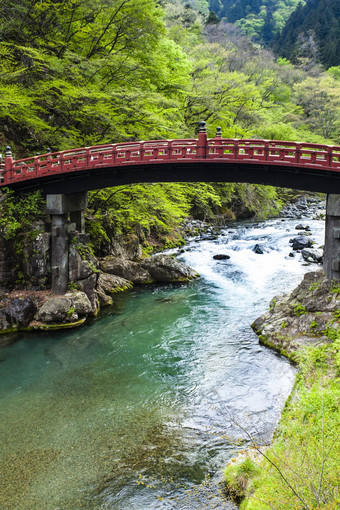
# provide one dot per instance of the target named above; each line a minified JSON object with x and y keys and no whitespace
{"x":110,"y":284}
{"x":132,"y":271}
{"x":300,"y":226}
{"x":302,"y":317}
{"x":312,"y":255}
{"x":56,"y":310}
{"x":221,"y":256}
{"x":20,"y":311}
{"x":67,"y":308}
{"x":163,"y":268}
{"x":88,"y":285}
{"x":301,"y":242}
{"x":80,"y":303}
{"x":4,"y":320}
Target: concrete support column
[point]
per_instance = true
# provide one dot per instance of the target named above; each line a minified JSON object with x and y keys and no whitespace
{"x":78,"y":218}
{"x":60,"y":207}
{"x":59,"y":256}
{"x":331,"y":259}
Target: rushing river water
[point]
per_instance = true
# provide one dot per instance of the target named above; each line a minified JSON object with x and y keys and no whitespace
{"x":132,"y":411}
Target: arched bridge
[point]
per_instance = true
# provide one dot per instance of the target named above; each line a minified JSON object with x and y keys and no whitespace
{"x":65,"y":177}
{"x":305,"y":166}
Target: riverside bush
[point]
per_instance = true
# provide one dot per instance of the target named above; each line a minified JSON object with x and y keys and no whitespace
{"x":301,"y":470}
{"x":17,"y":213}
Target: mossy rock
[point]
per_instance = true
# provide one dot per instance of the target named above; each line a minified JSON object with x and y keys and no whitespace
{"x":238,"y":476}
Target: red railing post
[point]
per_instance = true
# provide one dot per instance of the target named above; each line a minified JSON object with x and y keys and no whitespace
{"x":235,"y":149}
{"x":329,"y":156}
{"x":202,"y":141}
{"x":36,"y":164}
{"x":218,"y":137}
{"x":266,"y":150}
{"x":8,"y":164}
{"x":218,"y":133}
{"x":297,"y":152}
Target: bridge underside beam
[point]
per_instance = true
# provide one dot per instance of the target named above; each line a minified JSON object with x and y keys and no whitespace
{"x":332,"y":238}
{"x":64,"y":210}
{"x":317,"y":180}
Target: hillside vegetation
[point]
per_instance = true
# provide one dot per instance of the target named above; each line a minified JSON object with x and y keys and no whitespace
{"x":312,"y":32}
{"x":259,"y":19}
{"x":83,"y":73}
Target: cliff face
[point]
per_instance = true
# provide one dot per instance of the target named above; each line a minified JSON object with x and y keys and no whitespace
{"x":303,"y":317}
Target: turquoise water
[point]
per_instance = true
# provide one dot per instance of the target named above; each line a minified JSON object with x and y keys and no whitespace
{"x":133,"y":410}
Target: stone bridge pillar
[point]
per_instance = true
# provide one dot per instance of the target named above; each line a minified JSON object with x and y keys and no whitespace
{"x":331,"y":260}
{"x":64,"y":210}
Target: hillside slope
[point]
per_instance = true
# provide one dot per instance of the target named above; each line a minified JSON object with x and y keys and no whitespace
{"x":313,"y":32}
{"x":259,"y":19}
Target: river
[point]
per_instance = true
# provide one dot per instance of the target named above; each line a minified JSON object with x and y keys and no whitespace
{"x":132,"y":411}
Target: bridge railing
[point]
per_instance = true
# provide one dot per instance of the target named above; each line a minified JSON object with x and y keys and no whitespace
{"x":275,"y":151}
{"x":271,"y":152}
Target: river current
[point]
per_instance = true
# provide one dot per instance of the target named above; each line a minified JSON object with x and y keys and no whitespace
{"x":141,"y":409}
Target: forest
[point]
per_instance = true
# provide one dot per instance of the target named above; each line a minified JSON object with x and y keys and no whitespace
{"x":77,"y":74}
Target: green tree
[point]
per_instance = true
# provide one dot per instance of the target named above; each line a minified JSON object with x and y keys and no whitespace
{"x":320,"y":99}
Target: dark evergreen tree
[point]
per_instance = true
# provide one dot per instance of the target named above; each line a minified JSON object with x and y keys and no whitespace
{"x":212,"y":18}
{"x":318,"y":20}
{"x":267,"y":32}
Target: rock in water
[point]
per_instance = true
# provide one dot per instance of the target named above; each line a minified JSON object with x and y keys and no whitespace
{"x":300,"y":318}
{"x":163,"y":268}
{"x":301,"y":242}
{"x":127,"y":269}
{"x":55,"y":310}
{"x":221,"y":256}
{"x":21,"y":311}
{"x":312,"y":255}
{"x":259,"y":249}
{"x":302,"y":227}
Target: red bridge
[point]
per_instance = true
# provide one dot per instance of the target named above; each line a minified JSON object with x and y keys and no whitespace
{"x":305,"y":166}
{"x":65,"y":177}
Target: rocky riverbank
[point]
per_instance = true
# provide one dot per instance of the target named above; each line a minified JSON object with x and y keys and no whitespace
{"x":25,"y":271}
{"x":302,"y":463}
{"x":93,"y":281}
{"x":301,"y":318}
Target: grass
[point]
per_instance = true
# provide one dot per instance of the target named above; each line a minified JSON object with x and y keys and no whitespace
{"x":301,"y":470}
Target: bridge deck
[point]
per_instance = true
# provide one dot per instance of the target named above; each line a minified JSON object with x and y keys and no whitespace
{"x":292,"y":164}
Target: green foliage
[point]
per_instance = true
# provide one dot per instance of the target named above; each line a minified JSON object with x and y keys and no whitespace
{"x":237,"y":475}
{"x":313,"y":358}
{"x":299,"y":310}
{"x":313,"y":324}
{"x":74,"y":67}
{"x":334,"y":71}
{"x":314,"y":286}
{"x":331,"y":332}
{"x":72,"y":286}
{"x":257,"y":18}
{"x":301,"y":469}
{"x":320,"y":99}
{"x":151,"y":211}
{"x":18,"y":213}
{"x":335,"y":288}
{"x":336,"y":314}
{"x":284,"y":324}
{"x":336,"y":347}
